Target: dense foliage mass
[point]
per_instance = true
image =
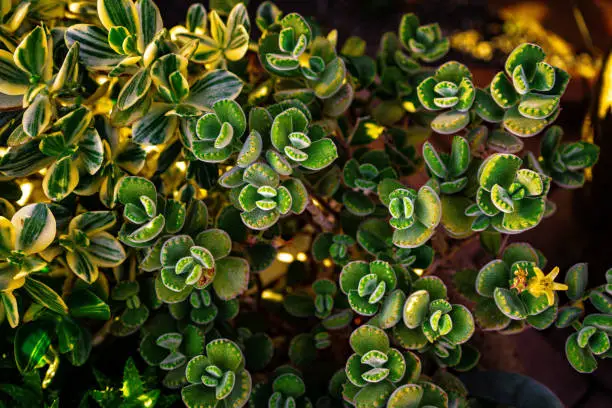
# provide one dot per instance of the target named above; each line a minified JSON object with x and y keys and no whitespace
{"x":155,"y":183}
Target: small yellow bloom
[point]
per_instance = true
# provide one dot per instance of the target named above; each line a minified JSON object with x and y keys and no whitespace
{"x":545,"y":284}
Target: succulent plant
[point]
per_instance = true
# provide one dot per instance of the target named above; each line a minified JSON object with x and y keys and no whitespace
{"x":448,"y":170}
{"x":564,"y":163}
{"x":451,"y":88}
{"x":294,"y":147}
{"x":529,"y":91}
{"x":145,"y":212}
{"x":429,"y":319}
{"x":414,"y":215}
{"x":189,"y":264}
{"x":230,"y":201}
{"x":283,"y":49}
{"x":425,"y":42}
{"x":373,"y":360}
{"x":509,"y":199}
{"x":592,"y":336}
{"x":511,"y":290}
{"x":367,"y":284}
{"x":263,"y":199}
{"x":217,"y":376}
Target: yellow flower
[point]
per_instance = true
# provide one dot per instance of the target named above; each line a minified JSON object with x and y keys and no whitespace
{"x":545,"y":284}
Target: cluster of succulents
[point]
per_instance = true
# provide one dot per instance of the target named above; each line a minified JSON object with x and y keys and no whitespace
{"x":234,"y":195}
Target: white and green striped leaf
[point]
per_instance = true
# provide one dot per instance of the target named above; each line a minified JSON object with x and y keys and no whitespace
{"x":34,"y":228}
{"x":37,"y":117}
{"x":68,"y":75}
{"x":155,"y":127}
{"x":45,"y":296}
{"x":214,"y":86}
{"x":31,"y":54}
{"x":150,"y":23}
{"x":122,"y":13}
{"x":105,"y":251}
{"x":61,"y":179}
{"x":82,"y":265}
{"x":94,"y":50}
{"x":134,"y":90}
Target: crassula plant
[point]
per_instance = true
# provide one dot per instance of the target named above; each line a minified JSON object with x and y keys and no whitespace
{"x":257,"y":214}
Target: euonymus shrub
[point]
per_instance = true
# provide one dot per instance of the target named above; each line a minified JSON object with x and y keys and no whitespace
{"x":150,"y":176}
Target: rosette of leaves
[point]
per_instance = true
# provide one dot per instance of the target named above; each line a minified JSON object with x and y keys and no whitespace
{"x":366,"y":285}
{"x":374,"y":362}
{"x":529,"y":91}
{"x":592,"y":337}
{"x":451,"y":89}
{"x":502,"y":286}
{"x":363,"y":177}
{"x":219,"y":132}
{"x":423,"y":42}
{"x":29,"y":232}
{"x":332,"y":246}
{"x":147,"y":215}
{"x":298,"y":146}
{"x":89,"y":246}
{"x":563,"y":162}
{"x":130,"y":309}
{"x":263,"y":198}
{"x":280,"y":51}
{"x":431,"y":322}
{"x":167,"y":347}
{"x":509,"y":199}
{"x":29,"y":72}
{"x":286,"y":388}
{"x":218,"y":42}
{"x":325,"y":73}
{"x":448,"y":170}
{"x":218,"y":377}
{"x":203,"y":307}
{"x":414,"y":215}
{"x":189,"y":264}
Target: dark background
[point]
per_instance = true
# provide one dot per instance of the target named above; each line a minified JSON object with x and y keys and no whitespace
{"x":580,"y":230}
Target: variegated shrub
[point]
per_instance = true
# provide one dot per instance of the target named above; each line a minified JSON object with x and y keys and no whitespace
{"x":242,"y":198}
